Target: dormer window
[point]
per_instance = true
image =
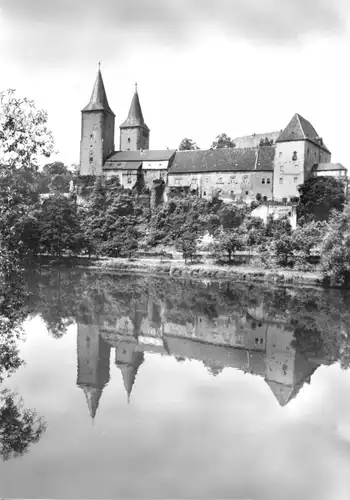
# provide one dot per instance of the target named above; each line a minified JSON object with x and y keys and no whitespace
{"x":295,"y":156}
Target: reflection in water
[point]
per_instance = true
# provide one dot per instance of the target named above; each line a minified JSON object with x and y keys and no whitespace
{"x":277,"y":334}
{"x":19,"y":427}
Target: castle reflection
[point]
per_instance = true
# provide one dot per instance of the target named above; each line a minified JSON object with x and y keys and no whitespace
{"x":251,"y":341}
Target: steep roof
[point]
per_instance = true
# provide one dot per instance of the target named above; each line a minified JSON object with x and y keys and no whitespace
{"x":141,"y":155}
{"x":135,"y":116}
{"x":129,"y":370}
{"x":321,"y":167}
{"x":300,"y":129}
{"x":224,"y":160}
{"x":98,"y":99}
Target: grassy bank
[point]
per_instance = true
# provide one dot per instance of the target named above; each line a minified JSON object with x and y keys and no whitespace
{"x":208,"y":271}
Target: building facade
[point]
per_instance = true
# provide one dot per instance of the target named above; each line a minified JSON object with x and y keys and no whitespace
{"x":267,"y":166}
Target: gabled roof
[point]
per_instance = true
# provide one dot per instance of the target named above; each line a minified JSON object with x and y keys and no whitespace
{"x":135,"y":116}
{"x":299,"y":129}
{"x":321,"y":167}
{"x":141,"y":155}
{"x":98,"y":100}
{"x":224,"y":160}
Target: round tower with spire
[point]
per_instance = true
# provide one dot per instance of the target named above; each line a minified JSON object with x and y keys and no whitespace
{"x":97,"y":130}
{"x":134,"y":133}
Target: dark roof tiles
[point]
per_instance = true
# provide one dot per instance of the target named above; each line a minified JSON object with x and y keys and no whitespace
{"x":98,"y":100}
{"x":135,"y":116}
{"x":223,"y":160}
{"x":299,"y":129}
{"x":141,"y":155}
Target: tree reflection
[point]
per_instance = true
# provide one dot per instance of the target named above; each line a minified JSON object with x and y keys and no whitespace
{"x":19,"y":427}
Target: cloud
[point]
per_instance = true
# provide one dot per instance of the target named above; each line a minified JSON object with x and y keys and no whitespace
{"x":61,"y":30}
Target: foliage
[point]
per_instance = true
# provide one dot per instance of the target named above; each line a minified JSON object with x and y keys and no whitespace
{"x":188,"y":246}
{"x":318,"y":197}
{"x":24,"y":135}
{"x":223,"y":141}
{"x":335,"y":249}
{"x":228,"y":243}
{"x":59,"y":226}
{"x":266,"y":142}
{"x":19,"y":427}
{"x":187,"y":144}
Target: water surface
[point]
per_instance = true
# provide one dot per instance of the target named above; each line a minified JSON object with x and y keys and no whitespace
{"x":157,"y":388}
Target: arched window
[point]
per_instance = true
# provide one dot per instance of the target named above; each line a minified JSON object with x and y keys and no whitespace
{"x":295,"y":156}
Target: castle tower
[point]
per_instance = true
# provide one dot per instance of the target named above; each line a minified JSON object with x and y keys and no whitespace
{"x":134,"y":133}
{"x":93,"y":355}
{"x":128,"y":360}
{"x":97,"y":131}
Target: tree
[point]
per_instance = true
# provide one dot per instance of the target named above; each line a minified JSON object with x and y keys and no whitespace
{"x":266,"y":142}
{"x":223,"y":141}
{"x":228,"y":243}
{"x":188,"y":246}
{"x":318,"y":197}
{"x":187,"y":144}
{"x":60,"y":229}
{"x":335,"y":249}
{"x":24,"y":135}
{"x":19,"y":427}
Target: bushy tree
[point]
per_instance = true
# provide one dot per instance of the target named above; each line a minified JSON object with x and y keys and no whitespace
{"x":60,"y":226}
{"x":223,"y":141}
{"x":228,"y":243}
{"x":187,"y":144}
{"x":318,"y":197}
{"x":24,"y":135}
{"x":335,"y":249}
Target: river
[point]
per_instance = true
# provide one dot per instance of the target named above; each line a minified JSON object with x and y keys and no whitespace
{"x":150,"y":387}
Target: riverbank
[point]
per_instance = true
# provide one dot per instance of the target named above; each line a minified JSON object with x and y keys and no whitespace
{"x":179,"y":269}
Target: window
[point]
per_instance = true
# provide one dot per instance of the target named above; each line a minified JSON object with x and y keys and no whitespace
{"x":129,"y":178}
{"x":247,"y":192}
{"x":280,"y":154}
{"x":129,"y":140}
{"x":207,"y":179}
{"x":308,"y":151}
{"x":204,"y":193}
{"x":295,"y":156}
{"x":282,"y":169}
{"x":91,"y":158}
{"x":263,"y":180}
{"x":91,"y":136}
{"x":220,"y":181}
{"x":233,"y":179}
{"x":281,"y":180}
{"x":295,"y":180}
{"x":268,"y":181}
{"x":177,"y":181}
{"x":264,"y":198}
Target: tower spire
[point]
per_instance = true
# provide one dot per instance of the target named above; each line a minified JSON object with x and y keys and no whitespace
{"x":135,"y":116}
{"x":98,"y":100}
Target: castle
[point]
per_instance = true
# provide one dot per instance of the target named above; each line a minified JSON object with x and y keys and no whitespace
{"x":254,"y":169}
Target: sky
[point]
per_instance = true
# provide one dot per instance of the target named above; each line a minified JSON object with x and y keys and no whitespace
{"x":203,"y":67}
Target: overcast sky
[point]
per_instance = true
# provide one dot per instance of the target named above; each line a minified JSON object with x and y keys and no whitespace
{"x":203,"y":66}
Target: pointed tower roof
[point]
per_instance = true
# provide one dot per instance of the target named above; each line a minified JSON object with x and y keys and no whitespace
{"x":300,"y":129}
{"x":98,"y":100}
{"x":135,"y":116}
{"x":129,"y":371}
{"x":93,"y":395}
